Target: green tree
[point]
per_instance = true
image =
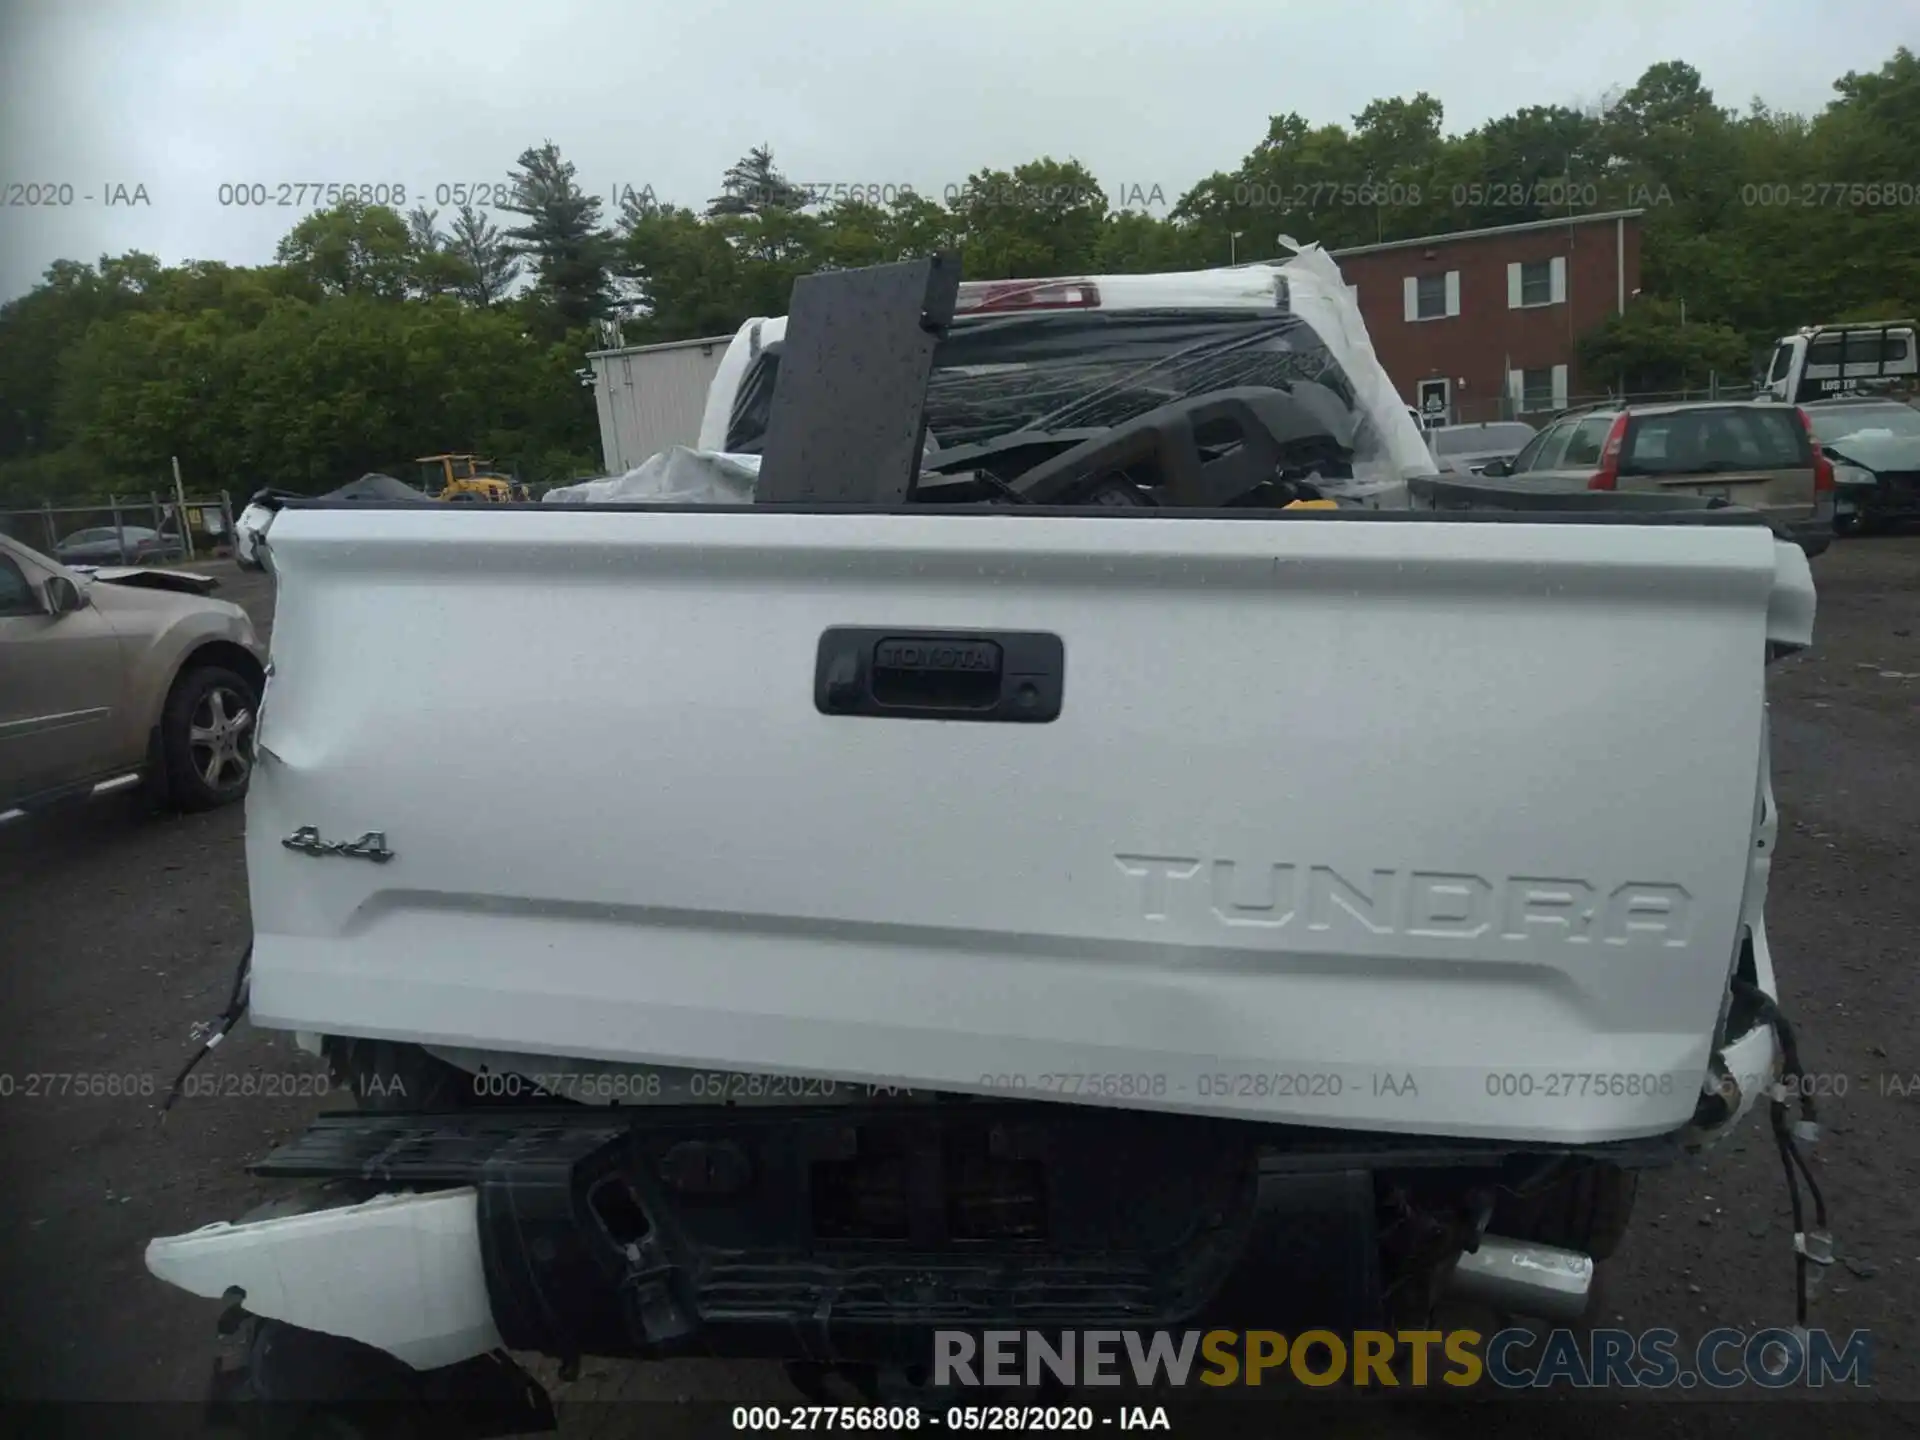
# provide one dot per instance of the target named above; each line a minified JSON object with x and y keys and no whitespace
{"x":781,"y":239}
{"x":1301,"y":180}
{"x":1041,"y":218}
{"x":563,"y":240}
{"x":1860,"y":151}
{"x":1133,"y":242}
{"x":850,"y":234}
{"x":917,"y":225}
{"x":242,"y":294}
{"x":352,"y":249}
{"x":38,"y":328}
{"x":753,"y":185}
{"x":491,"y":266}
{"x":150,"y":385}
{"x":438,"y":268}
{"x":685,"y":274}
{"x":1541,"y":160}
{"x":318,"y":392}
{"x":1395,"y":150}
{"x":1648,"y":349}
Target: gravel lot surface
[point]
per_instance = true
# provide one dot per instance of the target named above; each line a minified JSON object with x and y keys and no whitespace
{"x":119,"y":931}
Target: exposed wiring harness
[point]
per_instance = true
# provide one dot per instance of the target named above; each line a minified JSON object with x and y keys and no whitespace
{"x":228,"y":1018}
{"x":1813,"y":1246}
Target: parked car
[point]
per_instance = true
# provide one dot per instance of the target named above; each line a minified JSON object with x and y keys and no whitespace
{"x":105,"y":680}
{"x":118,"y":545}
{"x":1469,"y":449}
{"x":1875,"y":449}
{"x":1755,"y":453}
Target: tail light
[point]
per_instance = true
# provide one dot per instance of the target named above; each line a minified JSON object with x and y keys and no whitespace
{"x":1822,"y":466}
{"x":1607,"y":477}
{"x":984,"y":297}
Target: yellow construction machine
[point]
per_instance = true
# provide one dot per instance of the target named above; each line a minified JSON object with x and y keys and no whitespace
{"x":469,"y":479}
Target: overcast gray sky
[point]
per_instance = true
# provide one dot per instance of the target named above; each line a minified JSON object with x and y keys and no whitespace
{"x":181,"y":96}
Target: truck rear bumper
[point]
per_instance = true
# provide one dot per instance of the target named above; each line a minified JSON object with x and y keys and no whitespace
{"x":400,"y":1272}
{"x":836,"y":1237}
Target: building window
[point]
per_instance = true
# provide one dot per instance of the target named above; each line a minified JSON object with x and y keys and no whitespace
{"x":1539,"y":391}
{"x":1536,"y":282}
{"x":1434,"y":296}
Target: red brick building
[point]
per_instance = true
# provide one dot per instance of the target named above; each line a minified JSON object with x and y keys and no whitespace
{"x":1482,"y":324}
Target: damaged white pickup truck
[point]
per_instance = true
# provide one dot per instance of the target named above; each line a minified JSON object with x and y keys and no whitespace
{"x":869,"y":918}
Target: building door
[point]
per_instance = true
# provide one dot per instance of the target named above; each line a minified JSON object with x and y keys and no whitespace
{"x":1436,"y":402}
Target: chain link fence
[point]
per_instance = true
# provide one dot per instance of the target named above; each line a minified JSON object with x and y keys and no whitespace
{"x":126,"y":530}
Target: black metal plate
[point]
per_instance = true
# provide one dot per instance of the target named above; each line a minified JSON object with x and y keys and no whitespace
{"x":845,"y":424}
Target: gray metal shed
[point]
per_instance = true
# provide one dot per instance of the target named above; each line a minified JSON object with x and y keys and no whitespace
{"x":651,"y":396}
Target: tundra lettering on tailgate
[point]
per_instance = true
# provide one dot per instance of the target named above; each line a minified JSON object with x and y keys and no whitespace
{"x":1436,"y":904}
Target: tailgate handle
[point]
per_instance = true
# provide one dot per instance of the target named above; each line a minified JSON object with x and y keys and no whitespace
{"x":1010,"y":676}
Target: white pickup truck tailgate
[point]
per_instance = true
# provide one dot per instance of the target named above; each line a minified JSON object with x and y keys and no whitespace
{"x":1419,"y":825}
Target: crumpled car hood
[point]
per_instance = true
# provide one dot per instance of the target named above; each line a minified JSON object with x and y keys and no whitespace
{"x":142,"y":577}
{"x":1876,"y":452}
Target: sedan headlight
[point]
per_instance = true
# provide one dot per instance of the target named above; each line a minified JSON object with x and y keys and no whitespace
{"x":1854,"y":475}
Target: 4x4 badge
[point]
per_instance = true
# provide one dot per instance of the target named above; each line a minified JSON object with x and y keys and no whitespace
{"x":370,"y":846}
